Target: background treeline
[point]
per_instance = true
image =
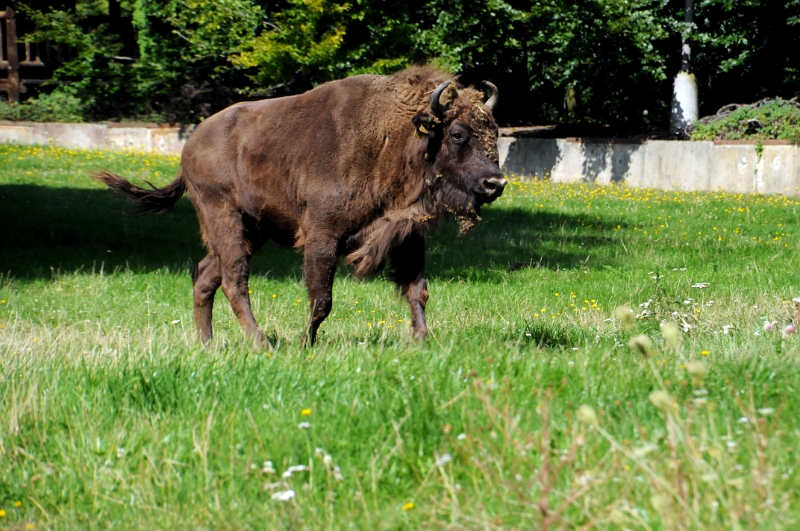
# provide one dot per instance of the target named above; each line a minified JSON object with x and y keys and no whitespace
{"x":589,"y":61}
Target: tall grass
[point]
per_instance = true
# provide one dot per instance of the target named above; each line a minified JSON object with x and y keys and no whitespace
{"x":526,"y":408}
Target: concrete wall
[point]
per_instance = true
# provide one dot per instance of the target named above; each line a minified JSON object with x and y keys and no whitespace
{"x":733,"y":166}
{"x":122,"y":136}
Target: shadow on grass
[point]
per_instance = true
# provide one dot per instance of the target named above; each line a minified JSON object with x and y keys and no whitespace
{"x":64,"y":229}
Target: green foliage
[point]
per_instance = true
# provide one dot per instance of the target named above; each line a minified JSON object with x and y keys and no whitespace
{"x":304,"y":39}
{"x":612,"y":59}
{"x":61,"y":105}
{"x":104,"y":85}
{"x":746,"y":50}
{"x":775,"y":119}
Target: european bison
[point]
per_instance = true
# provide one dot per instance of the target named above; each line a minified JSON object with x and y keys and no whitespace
{"x":360,"y":167}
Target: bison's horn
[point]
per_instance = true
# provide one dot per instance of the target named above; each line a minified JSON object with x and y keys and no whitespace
{"x":437,"y":108}
{"x":491,"y":102}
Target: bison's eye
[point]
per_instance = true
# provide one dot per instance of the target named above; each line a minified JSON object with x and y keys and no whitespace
{"x":457,"y":137}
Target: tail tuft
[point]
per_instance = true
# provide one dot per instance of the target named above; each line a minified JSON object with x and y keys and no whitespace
{"x":150,"y":201}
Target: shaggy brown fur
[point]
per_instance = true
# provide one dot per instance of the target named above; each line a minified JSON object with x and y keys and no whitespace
{"x":360,"y":166}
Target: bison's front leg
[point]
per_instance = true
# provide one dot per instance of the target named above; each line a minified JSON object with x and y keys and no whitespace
{"x":320,"y":267}
{"x":408,"y":262}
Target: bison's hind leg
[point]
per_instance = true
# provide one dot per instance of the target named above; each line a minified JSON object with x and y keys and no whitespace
{"x":231,"y":246}
{"x":206,"y":279}
{"x":319,"y":268}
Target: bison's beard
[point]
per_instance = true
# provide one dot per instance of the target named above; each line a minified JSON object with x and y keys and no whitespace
{"x":369,"y":248}
{"x":464,"y":206}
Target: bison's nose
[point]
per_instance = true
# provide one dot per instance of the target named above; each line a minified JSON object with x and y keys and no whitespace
{"x":493,"y":186}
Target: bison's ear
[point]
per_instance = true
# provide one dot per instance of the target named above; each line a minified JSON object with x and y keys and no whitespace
{"x":423,"y":124}
{"x":430,"y":128}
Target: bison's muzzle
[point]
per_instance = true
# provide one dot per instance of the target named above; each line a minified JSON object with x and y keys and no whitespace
{"x":491,"y":188}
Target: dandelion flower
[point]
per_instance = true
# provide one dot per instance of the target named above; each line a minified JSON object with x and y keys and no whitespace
{"x":587,"y":415}
{"x":642,"y":345}
{"x":661,"y":400}
{"x":672,"y":335}
{"x":408,"y":506}
{"x":697,"y":370}
{"x":305,"y":412}
{"x":624,"y":315}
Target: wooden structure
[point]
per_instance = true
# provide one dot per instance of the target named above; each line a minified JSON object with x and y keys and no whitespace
{"x":9,"y":58}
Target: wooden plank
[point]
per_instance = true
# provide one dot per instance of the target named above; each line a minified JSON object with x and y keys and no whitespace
{"x":13,"y":60}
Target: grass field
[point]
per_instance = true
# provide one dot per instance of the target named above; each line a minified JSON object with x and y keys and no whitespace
{"x":525,"y":409}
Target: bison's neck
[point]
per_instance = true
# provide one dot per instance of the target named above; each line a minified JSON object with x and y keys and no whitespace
{"x":413,"y":207}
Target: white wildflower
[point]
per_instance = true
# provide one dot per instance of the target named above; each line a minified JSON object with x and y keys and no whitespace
{"x":645,"y":449}
{"x":292,"y":469}
{"x":267,"y":468}
{"x":443,"y":460}
{"x":284,"y":495}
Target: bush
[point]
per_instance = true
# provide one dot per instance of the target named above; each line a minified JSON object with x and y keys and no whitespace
{"x":765,"y":120}
{"x":58,"y":106}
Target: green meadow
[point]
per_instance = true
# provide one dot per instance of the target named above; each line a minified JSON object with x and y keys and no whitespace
{"x":537,"y":402}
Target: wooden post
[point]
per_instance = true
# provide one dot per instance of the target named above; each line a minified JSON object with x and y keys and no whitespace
{"x":13,"y":58}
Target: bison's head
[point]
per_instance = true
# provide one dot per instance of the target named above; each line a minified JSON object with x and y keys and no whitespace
{"x":461,"y":138}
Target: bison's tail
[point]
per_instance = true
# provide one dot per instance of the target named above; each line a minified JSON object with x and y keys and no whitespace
{"x":151,"y":201}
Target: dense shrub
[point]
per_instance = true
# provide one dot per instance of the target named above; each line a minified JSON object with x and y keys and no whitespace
{"x":57,"y":106}
{"x":768,"y":119}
